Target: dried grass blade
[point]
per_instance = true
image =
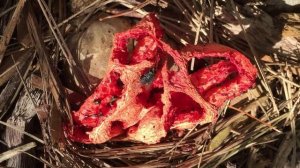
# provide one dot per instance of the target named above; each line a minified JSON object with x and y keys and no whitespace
{"x":13,"y":152}
{"x":260,"y":121}
{"x":46,"y":67}
{"x":131,"y":9}
{"x":282,"y":78}
{"x":197,"y":38}
{"x":12,"y":89}
{"x":7,"y":10}
{"x":184,"y":11}
{"x":84,"y":9}
{"x":10,"y":28}
{"x":8,"y":67}
{"x":201,"y":154}
{"x":258,"y":63}
{"x":180,"y":39}
{"x":39,"y":159}
{"x":78,"y":73}
{"x":284,"y":150}
{"x":294,"y":143}
{"x":24,"y":84}
{"x":211,"y":19}
{"x":21,"y":131}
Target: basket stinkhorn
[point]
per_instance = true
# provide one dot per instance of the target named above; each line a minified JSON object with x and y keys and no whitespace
{"x":142,"y":97}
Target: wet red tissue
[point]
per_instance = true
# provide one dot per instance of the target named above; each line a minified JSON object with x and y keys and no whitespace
{"x":142,"y":97}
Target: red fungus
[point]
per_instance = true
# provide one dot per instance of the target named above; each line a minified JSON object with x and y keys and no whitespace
{"x":143,"y":99}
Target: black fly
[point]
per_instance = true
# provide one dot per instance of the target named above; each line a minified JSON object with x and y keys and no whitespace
{"x":148,"y":77}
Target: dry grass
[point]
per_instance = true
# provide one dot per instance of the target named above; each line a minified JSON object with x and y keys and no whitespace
{"x":260,"y":127}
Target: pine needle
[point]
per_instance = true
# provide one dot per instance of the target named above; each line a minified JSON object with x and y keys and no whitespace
{"x":260,"y":121}
{"x":16,"y":151}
